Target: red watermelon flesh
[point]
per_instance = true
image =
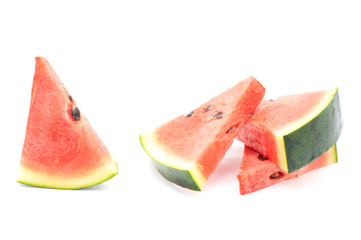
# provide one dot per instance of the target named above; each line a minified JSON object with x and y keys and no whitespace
{"x":61,"y":149}
{"x":187,"y":149}
{"x":258,"y":172}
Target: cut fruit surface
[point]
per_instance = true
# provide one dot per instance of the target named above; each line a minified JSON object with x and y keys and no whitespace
{"x":258,"y":172}
{"x":61,"y":149}
{"x":187,"y":149}
{"x":295,"y":130}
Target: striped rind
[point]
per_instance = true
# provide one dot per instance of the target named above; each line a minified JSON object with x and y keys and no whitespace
{"x":40,"y":179}
{"x":180,"y":171}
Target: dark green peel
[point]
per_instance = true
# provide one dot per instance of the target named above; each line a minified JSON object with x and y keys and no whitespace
{"x":317,"y":137}
{"x":180,"y":177}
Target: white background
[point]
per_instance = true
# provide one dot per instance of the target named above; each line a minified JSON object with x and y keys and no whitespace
{"x":133,"y":65}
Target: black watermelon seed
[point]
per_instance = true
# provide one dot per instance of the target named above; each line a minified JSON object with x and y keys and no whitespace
{"x":208,"y":108}
{"x":75,"y":113}
{"x":262,"y":157}
{"x":189,"y":114}
{"x":218,"y":115}
{"x":276,"y":175}
{"x":70,"y":98}
{"x":231,"y":129}
{"x":271,"y":100}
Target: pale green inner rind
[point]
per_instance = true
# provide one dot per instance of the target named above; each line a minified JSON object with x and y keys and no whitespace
{"x":310,"y":141}
{"x":175,"y":169}
{"x":332,"y":155}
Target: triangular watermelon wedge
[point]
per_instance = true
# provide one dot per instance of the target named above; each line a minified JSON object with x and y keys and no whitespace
{"x":187,"y":149}
{"x":294,"y":130}
{"x":258,"y":172}
{"x":61,"y":149}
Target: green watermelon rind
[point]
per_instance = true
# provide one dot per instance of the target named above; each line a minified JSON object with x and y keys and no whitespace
{"x":175,"y":174}
{"x":180,"y":177}
{"x":327,"y":125}
{"x":26,"y":176}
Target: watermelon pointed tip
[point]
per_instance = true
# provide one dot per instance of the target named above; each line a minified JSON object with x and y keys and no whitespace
{"x":39,"y":58}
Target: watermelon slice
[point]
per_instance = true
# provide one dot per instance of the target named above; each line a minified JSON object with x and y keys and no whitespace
{"x":257,"y":172}
{"x":187,"y":149}
{"x":61,"y":149}
{"x":295,"y":130}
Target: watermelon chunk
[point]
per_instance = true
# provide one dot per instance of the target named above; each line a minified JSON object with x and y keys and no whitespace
{"x":187,"y":149}
{"x":295,"y":130}
{"x":257,"y":172}
{"x":61,"y":149}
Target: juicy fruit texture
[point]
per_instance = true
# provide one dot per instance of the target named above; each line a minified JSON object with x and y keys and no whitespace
{"x":294,"y":130}
{"x":257,"y":172}
{"x":187,"y":149}
{"x":61,"y":149}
